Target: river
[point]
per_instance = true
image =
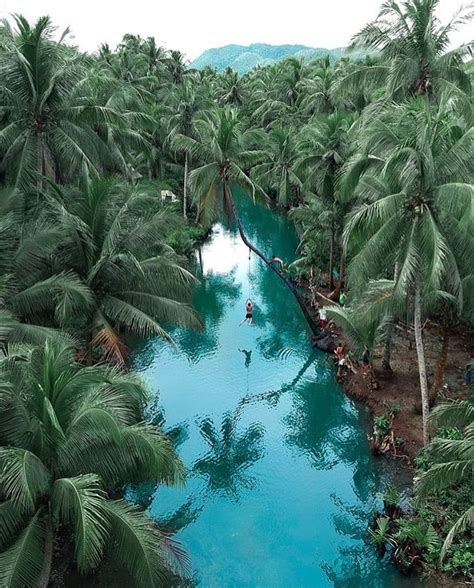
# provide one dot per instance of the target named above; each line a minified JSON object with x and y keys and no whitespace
{"x":281,"y":484}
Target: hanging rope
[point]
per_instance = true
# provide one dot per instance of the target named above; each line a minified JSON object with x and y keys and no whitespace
{"x":309,"y":319}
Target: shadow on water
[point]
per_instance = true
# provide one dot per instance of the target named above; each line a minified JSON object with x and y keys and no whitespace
{"x":281,"y":484}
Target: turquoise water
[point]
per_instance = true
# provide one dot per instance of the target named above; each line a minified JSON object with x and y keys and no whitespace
{"x":281,"y":482}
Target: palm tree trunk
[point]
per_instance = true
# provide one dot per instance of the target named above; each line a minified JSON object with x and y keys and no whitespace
{"x":439,"y":373}
{"x":390,"y":330}
{"x":185,"y":187}
{"x":387,"y":350}
{"x":48,"y":556}
{"x":341,"y":272}
{"x":309,"y":319}
{"x":420,"y":352}
{"x":331,"y":259}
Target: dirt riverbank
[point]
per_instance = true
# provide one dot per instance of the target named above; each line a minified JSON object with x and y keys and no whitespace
{"x":401,"y":388}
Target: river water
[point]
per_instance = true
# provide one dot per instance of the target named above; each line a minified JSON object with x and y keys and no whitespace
{"x":281,"y":484}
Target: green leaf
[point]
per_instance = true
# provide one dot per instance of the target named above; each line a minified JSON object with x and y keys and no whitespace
{"x":80,"y":501}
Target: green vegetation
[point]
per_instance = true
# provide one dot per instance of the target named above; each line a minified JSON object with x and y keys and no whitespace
{"x":434,"y":534}
{"x":371,"y":156}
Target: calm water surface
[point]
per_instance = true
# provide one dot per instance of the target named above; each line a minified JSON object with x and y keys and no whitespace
{"x":281,"y":483}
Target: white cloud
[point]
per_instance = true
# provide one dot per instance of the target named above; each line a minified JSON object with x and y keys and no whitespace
{"x":193,"y":26}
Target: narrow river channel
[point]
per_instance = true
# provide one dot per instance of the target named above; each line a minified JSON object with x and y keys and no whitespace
{"x":281,"y":483}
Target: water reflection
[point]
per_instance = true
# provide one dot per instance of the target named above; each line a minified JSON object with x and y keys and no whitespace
{"x":231,"y":454}
{"x":186,"y":514}
{"x":217,"y":291}
{"x":281,"y":481}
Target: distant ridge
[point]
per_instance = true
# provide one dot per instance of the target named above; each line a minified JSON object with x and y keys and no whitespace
{"x":243,"y":58}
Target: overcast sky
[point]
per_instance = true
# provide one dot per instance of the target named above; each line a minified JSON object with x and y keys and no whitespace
{"x":195,"y":25}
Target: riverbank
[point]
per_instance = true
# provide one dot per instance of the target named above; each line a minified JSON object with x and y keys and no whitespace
{"x":401,"y":388}
{"x":396,"y":394}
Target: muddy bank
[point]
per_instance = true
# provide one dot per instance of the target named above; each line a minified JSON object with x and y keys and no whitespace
{"x":396,"y":394}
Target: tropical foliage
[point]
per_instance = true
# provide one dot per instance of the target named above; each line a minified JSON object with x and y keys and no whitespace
{"x":372,"y":155}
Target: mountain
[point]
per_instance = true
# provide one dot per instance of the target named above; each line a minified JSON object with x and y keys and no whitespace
{"x":243,"y":58}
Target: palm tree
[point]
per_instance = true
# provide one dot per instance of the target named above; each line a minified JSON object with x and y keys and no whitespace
{"x":413,"y":47}
{"x":186,"y":103}
{"x":26,"y":250}
{"x":49,"y":127}
{"x":319,"y":95}
{"x":325,"y":147}
{"x":278,"y":176}
{"x":70,"y":437}
{"x":363,"y":328}
{"x":176,"y":66}
{"x":226,"y":151}
{"x":115,"y":245}
{"x":452,"y":461}
{"x":232,"y":89}
{"x":415,"y":209}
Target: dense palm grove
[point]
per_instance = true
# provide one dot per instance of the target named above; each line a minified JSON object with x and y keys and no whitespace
{"x":373,"y":158}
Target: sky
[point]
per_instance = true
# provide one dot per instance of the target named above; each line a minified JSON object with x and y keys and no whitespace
{"x":195,"y":25}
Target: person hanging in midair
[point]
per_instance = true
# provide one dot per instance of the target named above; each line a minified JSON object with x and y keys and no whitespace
{"x":248,"y":312}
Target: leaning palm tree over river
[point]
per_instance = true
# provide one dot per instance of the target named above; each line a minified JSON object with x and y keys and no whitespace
{"x":226,"y":151}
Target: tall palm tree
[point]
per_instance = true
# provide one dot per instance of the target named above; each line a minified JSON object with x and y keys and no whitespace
{"x":414,"y":212}
{"x":278,"y":176}
{"x":176,"y":66}
{"x":69,"y":437}
{"x":186,"y":103}
{"x":115,"y":245}
{"x":232,"y":90}
{"x":325,"y":146}
{"x":26,"y":250}
{"x":452,"y":461}
{"x":49,"y":126}
{"x":413,"y":47}
{"x":226,"y":151}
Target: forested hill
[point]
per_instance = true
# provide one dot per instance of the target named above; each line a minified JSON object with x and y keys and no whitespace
{"x":243,"y":58}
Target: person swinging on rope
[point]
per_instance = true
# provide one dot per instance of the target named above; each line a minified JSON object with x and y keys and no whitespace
{"x":248,"y":312}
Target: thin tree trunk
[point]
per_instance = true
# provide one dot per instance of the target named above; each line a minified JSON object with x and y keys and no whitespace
{"x":48,"y":557}
{"x":342,"y":272}
{"x":309,"y":319}
{"x":420,"y":352}
{"x":200,"y":258}
{"x":390,"y":330}
{"x":439,"y":373}
{"x":185,"y":187}
{"x":387,"y":350}
{"x":331,"y":259}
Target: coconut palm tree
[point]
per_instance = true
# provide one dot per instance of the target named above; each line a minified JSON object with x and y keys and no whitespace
{"x":232,"y":90}
{"x":452,"y":461}
{"x":226,"y":151}
{"x":415,"y":209}
{"x":186,"y":103}
{"x":115,"y":245}
{"x":413,"y":46}
{"x":49,"y":125}
{"x":278,"y":176}
{"x":176,"y":66}
{"x":70,"y":437}
{"x":325,"y":146}
{"x":26,"y":249}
